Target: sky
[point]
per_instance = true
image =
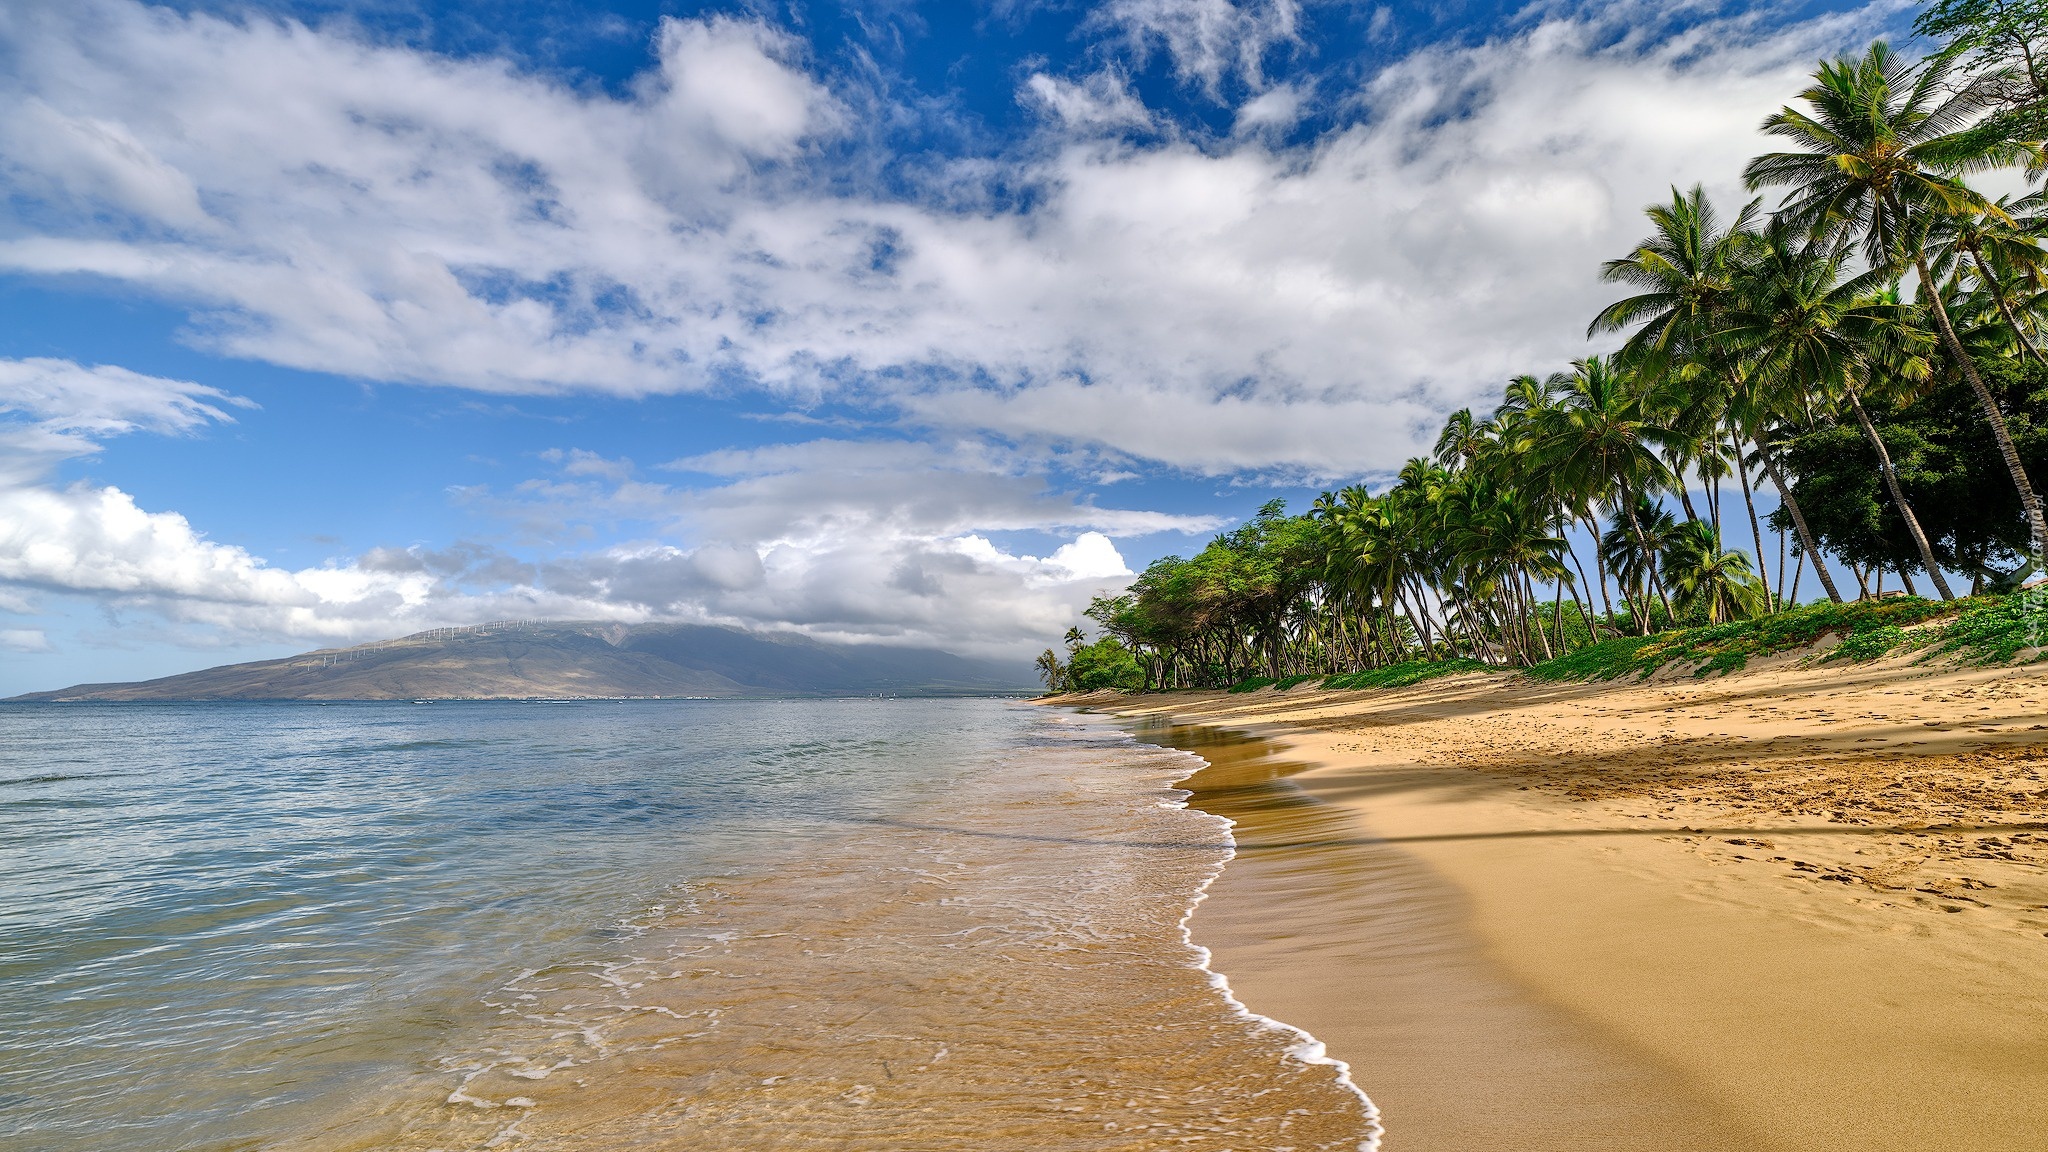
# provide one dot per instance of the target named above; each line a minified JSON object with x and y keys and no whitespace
{"x":879,"y":320}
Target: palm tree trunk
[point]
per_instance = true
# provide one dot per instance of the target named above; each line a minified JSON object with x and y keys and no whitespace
{"x":1806,"y":544}
{"x":1585,"y":610}
{"x":1714,"y":502}
{"x":1756,"y":532}
{"x":1650,"y":560}
{"x":1891,"y":479}
{"x":2029,"y":503}
{"x":1536,"y":617}
{"x":1782,"y":602}
{"x":1685,"y":496}
{"x":1600,"y":562}
{"x":1421,"y":629}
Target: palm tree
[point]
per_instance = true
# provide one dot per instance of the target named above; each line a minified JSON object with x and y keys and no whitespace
{"x":1985,"y":241}
{"x":1462,"y":438}
{"x":1685,"y":271}
{"x":1051,"y":671}
{"x":1811,"y":334}
{"x":1600,"y":438}
{"x":1708,"y":579}
{"x":1882,"y":153}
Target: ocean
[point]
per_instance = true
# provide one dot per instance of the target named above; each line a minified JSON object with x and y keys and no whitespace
{"x":849,"y":924}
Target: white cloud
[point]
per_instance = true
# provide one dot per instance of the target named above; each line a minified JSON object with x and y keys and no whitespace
{"x":379,"y":212}
{"x":1091,"y":556}
{"x":841,"y":539}
{"x":25,"y":640}
{"x":1207,"y":39}
{"x":1100,"y":101}
{"x":1275,"y":109}
{"x":52,"y":410}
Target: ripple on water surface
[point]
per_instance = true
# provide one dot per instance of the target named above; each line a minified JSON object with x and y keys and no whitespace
{"x":846,"y":924}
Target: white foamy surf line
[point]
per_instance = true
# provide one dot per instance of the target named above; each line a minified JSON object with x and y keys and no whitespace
{"x":1306,"y":1047}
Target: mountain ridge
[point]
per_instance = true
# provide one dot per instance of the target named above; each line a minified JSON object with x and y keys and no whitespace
{"x":521,"y":660}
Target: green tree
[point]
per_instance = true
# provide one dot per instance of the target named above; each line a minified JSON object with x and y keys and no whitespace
{"x":1104,"y":664}
{"x":1709,"y":581}
{"x":1880,"y":160}
{"x":1052,"y":671}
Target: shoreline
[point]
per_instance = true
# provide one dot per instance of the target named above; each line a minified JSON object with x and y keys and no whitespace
{"x":1309,"y":1048}
{"x":1528,"y":918}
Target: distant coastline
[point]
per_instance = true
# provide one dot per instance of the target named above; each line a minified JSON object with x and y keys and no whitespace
{"x":576,"y":660}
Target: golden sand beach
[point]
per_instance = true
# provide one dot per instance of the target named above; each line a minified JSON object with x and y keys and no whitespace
{"x":1794,"y":908}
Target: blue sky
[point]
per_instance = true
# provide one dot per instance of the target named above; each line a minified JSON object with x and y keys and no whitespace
{"x":891,"y":321}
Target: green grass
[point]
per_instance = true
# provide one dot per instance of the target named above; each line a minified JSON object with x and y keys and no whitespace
{"x":1987,"y":629}
{"x":1289,"y":682}
{"x":1402,"y":675}
{"x":1252,"y":684}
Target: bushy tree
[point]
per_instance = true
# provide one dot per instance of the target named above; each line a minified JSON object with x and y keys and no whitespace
{"x":1104,"y":664}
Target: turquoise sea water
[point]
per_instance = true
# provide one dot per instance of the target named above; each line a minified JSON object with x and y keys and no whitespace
{"x":222,"y":926}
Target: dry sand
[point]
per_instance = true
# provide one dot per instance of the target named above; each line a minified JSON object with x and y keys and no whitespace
{"x":1791,"y":909}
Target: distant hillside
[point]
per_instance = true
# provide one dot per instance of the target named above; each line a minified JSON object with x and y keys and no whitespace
{"x":527,"y":660}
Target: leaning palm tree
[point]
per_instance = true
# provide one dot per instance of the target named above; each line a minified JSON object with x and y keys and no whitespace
{"x":1881,"y":158}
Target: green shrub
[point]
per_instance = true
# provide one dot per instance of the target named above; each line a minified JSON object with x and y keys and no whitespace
{"x":1287,"y":682}
{"x":1869,"y":644}
{"x":1995,"y":629}
{"x":1252,"y":684}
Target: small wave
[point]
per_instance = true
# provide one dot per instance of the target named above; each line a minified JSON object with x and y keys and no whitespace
{"x":1305,"y":1048}
{"x":59,"y":778}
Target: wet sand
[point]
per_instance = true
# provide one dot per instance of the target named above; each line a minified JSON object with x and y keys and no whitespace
{"x":1002,"y":965}
{"x":1793,"y":909}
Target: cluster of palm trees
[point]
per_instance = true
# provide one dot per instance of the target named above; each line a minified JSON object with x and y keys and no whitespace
{"x":1879,"y":273}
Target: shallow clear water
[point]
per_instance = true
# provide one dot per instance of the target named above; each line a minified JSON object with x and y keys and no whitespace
{"x":858,"y":923}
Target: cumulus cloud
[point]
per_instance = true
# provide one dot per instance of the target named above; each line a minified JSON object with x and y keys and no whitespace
{"x":842,"y":538}
{"x":846,"y":580}
{"x":847,"y":539}
{"x":1220,"y":306}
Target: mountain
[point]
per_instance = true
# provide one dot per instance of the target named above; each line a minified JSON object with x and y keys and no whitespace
{"x":525,"y":660}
